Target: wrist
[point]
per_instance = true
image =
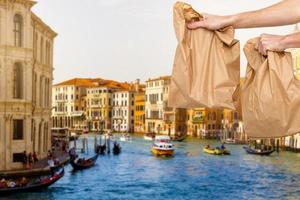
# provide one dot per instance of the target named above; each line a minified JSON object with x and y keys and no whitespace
{"x":231,"y":20}
{"x":286,"y":41}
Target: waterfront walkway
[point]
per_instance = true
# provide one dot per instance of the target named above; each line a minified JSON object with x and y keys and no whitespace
{"x":39,"y":167}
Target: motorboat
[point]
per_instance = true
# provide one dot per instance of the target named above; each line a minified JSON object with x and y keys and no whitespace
{"x":125,"y":138}
{"x":149,"y":136}
{"x":216,"y":151}
{"x":162,"y":146}
{"x":229,"y":141}
{"x":178,"y":138}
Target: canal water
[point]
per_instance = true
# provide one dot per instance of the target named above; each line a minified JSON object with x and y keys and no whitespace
{"x":190,"y":174}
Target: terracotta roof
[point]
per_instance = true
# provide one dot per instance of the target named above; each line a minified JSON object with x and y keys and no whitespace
{"x":159,"y":78}
{"x":84,"y":82}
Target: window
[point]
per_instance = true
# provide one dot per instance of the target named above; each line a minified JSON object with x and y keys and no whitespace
{"x":18,"y":30}
{"x":18,"y":157}
{"x":17,"y":81}
{"x":18,"y":129}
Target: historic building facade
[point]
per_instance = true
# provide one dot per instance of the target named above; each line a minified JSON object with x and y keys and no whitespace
{"x":160,"y":118}
{"x":139,"y":112}
{"x":26,"y":66}
{"x":123,"y":111}
{"x":69,"y":103}
{"x":99,"y":107}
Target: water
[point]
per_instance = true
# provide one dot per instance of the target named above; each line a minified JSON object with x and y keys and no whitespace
{"x":190,"y":174}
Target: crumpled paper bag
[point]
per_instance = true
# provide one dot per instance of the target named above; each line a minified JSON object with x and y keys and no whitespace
{"x":206,"y":71}
{"x":270,"y":95}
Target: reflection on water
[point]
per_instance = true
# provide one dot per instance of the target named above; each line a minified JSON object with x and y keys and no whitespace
{"x":190,"y":174}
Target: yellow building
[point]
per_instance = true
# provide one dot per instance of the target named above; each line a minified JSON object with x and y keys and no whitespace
{"x":26,"y":74}
{"x":139,"y":112}
{"x":196,"y":121}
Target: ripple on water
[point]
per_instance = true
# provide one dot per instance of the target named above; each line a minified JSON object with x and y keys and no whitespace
{"x":190,"y":174}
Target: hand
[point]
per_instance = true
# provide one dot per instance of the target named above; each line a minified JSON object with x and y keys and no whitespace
{"x":211,"y":22}
{"x":268,"y":42}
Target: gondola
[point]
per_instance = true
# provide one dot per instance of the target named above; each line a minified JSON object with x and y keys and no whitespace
{"x":116,"y":149}
{"x":85,"y":164}
{"x":100,"y":149}
{"x":178,"y":138}
{"x":42,"y":183}
{"x":258,"y":151}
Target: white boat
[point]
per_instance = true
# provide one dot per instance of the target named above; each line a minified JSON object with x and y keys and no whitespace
{"x":162,"y":146}
{"x":125,"y":138}
{"x":149,"y":136}
{"x":229,"y":141}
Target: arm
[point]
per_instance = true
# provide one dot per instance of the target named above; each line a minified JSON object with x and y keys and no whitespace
{"x":278,"y":42}
{"x":283,"y":13}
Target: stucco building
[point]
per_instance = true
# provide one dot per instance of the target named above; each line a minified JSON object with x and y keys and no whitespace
{"x":160,"y":118}
{"x":26,"y":66}
{"x":68,"y":102}
{"x":139,"y":112}
{"x":100,"y":104}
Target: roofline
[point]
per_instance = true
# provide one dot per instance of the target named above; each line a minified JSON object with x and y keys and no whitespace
{"x":40,"y":21}
{"x":159,"y":78}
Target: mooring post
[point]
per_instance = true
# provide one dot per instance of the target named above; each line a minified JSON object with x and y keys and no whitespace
{"x":87,"y":145}
{"x":83,"y":145}
{"x":108,"y":145}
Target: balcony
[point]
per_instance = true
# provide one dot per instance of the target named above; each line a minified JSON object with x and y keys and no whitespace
{"x":199,"y":119}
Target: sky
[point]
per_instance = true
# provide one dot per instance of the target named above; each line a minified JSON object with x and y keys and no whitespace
{"x":125,"y":40}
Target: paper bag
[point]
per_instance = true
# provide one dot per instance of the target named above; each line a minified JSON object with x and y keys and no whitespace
{"x":270,"y":94}
{"x":206,"y":71}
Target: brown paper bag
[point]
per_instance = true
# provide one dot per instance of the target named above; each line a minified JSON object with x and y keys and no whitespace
{"x":270,"y":95}
{"x":206,"y":69}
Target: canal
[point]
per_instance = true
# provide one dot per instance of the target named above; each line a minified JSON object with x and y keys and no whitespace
{"x":190,"y":174}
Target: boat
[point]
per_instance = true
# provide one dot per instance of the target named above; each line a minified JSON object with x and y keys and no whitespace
{"x":149,"y":136}
{"x":125,"y":138}
{"x":229,"y":141}
{"x":35,"y":183}
{"x":80,"y":164}
{"x":216,"y":151}
{"x":100,"y":149}
{"x":73,"y":136}
{"x":116,"y":148}
{"x":178,"y":138}
{"x":162,"y":146}
{"x":258,"y":151}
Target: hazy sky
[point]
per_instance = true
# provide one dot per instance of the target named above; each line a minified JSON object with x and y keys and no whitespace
{"x":127,"y":39}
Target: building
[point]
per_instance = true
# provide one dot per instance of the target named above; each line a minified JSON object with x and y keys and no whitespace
{"x":293,"y":142}
{"x":100,"y":104}
{"x":160,"y":118}
{"x":26,"y":66}
{"x":123,"y":111}
{"x":69,"y":102}
{"x":139,"y":112}
{"x":196,"y":121}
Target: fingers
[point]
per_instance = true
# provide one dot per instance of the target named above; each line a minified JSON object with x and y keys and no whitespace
{"x":195,"y":25}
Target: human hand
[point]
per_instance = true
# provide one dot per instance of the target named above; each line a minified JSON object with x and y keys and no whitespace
{"x":268,"y":42}
{"x":211,"y":22}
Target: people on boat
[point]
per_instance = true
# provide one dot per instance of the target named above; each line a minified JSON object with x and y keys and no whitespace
{"x":222,"y":147}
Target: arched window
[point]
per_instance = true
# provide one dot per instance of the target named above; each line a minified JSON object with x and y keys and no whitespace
{"x":17,"y":81}
{"x":18,"y":30}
